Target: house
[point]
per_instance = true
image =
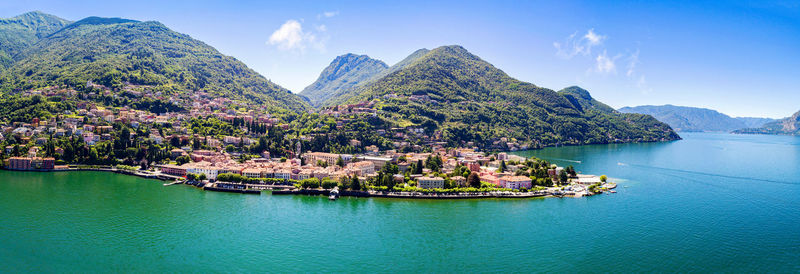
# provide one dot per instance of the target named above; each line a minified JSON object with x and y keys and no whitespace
{"x":251,"y":173}
{"x":515,"y":182}
{"x":31,"y":163}
{"x":430,"y":182}
{"x":459,"y":180}
{"x":378,"y":161}
{"x":283,"y":174}
{"x":210,"y":171}
{"x":173,"y":170}
{"x":362,"y":168}
{"x":231,"y":140}
{"x":176,"y":152}
{"x":329,"y":158}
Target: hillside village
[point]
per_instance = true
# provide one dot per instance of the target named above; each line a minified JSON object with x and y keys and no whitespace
{"x":171,"y":143}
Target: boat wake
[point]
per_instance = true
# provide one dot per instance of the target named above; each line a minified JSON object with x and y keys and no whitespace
{"x":565,"y":160}
{"x":714,"y":175}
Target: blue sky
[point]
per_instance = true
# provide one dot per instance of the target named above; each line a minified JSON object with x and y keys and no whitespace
{"x":737,"y":57}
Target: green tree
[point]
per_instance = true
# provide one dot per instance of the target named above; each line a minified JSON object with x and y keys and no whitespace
{"x":340,"y":161}
{"x":603,"y":178}
{"x":183,"y":159}
{"x":355,"y":184}
{"x":562,"y":177}
{"x":502,"y":166}
{"x":473,"y":180}
{"x":418,"y":167}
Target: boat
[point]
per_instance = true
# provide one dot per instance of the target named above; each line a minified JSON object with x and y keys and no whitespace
{"x":613,"y":191}
{"x":334,"y":195}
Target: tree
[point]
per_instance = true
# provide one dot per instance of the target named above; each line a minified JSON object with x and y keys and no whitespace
{"x":603,"y":178}
{"x":418,"y":167}
{"x":191,"y":176}
{"x":562,"y":177}
{"x":502,"y":166}
{"x":340,"y":161}
{"x":473,"y":180}
{"x":183,"y":159}
{"x":201,"y":177}
{"x":355,"y":184}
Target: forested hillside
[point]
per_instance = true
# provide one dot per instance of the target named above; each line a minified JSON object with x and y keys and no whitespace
{"x":115,"y":52}
{"x":454,"y":93}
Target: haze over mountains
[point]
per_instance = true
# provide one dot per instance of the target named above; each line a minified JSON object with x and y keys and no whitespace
{"x":690,"y":119}
{"x":786,"y":126}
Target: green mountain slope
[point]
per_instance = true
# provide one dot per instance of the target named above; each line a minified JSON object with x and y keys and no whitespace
{"x":786,"y":126}
{"x":695,"y":119}
{"x":20,"y":32}
{"x":582,"y":100}
{"x":116,"y":52}
{"x":344,"y":73}
{"x":345,"y":94}
{"x":464,"y":98}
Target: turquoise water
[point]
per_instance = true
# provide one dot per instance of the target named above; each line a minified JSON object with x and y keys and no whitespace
{"x":711,"y":202}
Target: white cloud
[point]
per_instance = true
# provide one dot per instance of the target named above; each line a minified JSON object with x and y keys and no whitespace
{"x":633,"y":61}
{"x":594,"y":38}
{"x":575,"y":45}
{"x":327,"y":14}
{"x":605,"y":64}
{"x":291,"y":36}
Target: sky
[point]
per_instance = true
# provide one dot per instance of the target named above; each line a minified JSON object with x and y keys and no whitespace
{"x":741,"y":58}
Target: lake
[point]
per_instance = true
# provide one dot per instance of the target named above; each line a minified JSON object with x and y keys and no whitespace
{"x":710,"y":202}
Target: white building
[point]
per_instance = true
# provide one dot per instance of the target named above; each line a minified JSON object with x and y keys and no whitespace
{"x":430,"y":182}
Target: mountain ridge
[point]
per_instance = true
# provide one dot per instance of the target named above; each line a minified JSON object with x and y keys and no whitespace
{"x":786,"y":126}
{"x":343,"y":73}
{"x":114,"y":51}
{"x":452,"y":92}
{"x":683,"y":118}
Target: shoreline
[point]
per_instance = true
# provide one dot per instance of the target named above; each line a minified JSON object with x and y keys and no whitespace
{"x":258,"y":189}
{"x":421,"y":195}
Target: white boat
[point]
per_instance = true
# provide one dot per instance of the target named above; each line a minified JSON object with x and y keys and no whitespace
{"x":334,"y":195}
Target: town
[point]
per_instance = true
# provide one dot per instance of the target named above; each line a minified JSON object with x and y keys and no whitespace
{"x":233,"y":145}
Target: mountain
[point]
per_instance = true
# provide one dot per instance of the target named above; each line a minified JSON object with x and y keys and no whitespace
{"x":116,"y":53}
{"x":20,"y":32}
{"x":786,"y":126}
{"x":332,"y":88}
{"x":451,"y":92}
{"x":683,"y":118}
{"x":583,"y":100}
{"x":341,"y":75}
{"x":752,"y":122}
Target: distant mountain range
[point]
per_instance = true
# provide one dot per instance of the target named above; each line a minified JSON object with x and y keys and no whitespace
{"x":690,"y":119}
{"x":40,"y":50}
{"x":786,"y":126}
{"x":451,"y":92}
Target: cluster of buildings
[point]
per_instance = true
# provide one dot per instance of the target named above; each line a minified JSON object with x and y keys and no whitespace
{"x":326,"y":165}
{"x":213,"y":163}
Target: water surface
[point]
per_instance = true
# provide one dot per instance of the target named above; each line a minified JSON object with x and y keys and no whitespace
{"x":710,"y":202}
